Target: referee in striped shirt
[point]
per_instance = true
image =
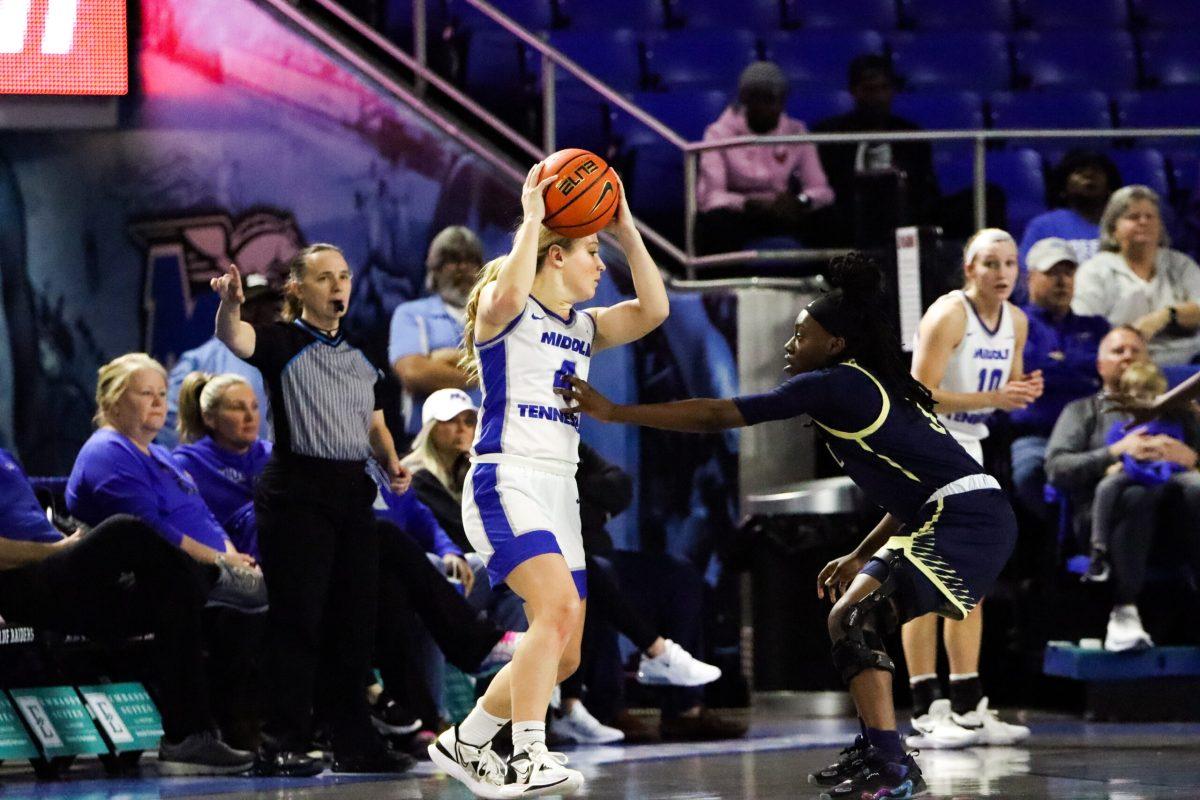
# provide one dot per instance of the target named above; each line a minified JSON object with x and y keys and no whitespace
{"x":317,"y":538}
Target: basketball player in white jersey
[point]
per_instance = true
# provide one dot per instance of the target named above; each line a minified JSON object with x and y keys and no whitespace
{"x":969,"y":353}
{"x":523,"y":338}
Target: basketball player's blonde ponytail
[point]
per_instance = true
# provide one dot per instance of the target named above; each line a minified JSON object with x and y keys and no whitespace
{"x":490,"y":272}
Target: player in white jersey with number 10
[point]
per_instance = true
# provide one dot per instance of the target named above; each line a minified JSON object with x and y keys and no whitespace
{"x":969,"y":354}
{"x":523,"y":337}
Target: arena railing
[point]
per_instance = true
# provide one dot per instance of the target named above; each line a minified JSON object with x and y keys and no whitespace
{"x":690,"y":152}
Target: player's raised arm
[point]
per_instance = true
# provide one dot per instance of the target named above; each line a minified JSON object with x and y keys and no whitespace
{"x":237,"y":334}
{"x":701,"y":415}
{"x":503,"y":299}
{"x":632,"y":319}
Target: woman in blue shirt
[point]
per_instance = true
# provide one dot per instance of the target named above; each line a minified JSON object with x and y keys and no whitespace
{"x":120,"y":471}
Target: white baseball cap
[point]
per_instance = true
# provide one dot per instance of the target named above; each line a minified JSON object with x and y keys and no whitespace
{"x":445,"y":404}
{"x":1047,"y":252}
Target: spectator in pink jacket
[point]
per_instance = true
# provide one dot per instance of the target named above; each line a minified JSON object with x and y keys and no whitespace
{"x":764,"y":191}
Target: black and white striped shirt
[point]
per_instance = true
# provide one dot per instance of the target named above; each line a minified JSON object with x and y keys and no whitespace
{"x":323,"y":391}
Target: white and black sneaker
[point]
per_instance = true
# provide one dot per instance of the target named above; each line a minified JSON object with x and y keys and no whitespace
{"x":477,"y":767}
{"x":536,"y":771}
{"x":392,"y":719}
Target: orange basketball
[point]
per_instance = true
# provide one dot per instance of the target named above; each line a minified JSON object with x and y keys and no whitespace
{"x":584,"y":197}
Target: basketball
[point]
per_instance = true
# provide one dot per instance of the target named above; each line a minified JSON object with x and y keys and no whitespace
{"x":585,"y":196}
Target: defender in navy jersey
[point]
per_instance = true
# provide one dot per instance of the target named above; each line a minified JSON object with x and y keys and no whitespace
{"x":520,"y":506}
{"x":948,"y":529}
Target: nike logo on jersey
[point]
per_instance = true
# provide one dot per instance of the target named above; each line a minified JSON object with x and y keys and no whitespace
{"x":535,"y":316}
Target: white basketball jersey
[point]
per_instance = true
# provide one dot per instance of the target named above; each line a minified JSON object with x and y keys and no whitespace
{"x":982,"y":362}
{"x":519,"y":369}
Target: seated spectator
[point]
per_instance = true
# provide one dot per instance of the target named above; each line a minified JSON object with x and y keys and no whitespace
{"x":119,"y":470}
{"x":78,"y":584}
{"x":1079,"y":190}
{"x":759,"y":191}
{"x":438,"y":463}
{"x":425,"y":334}
{"x":1138,"y":280}
{"x":1062,"y":345}
{"x":218,"y":421}
{"x":858,"y":206}
{"x":260,"y":307}
{"x":1078,"y":457}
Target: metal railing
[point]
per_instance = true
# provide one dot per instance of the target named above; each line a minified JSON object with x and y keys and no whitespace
{"x":690,"y":152}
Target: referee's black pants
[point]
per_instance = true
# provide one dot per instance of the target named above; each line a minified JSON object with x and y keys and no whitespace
{"x":122,"y":579}
{"x":320,"y":556}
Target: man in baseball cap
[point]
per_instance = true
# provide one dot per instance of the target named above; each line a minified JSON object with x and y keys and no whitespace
{"x":1063,"y":345}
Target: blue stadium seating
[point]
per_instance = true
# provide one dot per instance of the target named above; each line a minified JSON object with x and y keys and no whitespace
{"x":687,"y":112}
{"x":1144,"y":166}
{"x":978,"y":15}
{"x":1063,"y":108}
{"x":1178,"y":107}
{"x":819,"y":59}
{"x":654,"y":183}
{"x":1167,"y":14}
{"x":1172,"y":58}
{"x":496,"y":70}
{"x":976,"y":60}
{"x":940,"y":109}
{"x":537,"y":15}
{"x":1018,"y":172}
{"x":1088,"y":59}
{"x":1095,"y":14}
{"x":613,"y":56}
{"x":877,"y":15}
{"x":1184,"y":166}
{"x":591,"y":15}
{"x":757,"y":15}
{"x":812,"y":107}
{"x":707,"y":59}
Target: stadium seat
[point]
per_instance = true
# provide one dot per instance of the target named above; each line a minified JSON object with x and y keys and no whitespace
{"x":1018,"y":172}
{"x":1171,"y":58}
{"x":1102,"y":60}
{"x":687,"y":112}
{"x":940,"y":109}
{"x":819,"y":59}
{"x":1167,"y":14}
{"x":979,"y":15}
{"x":952,"y":60}
{"x":613,"y":56}
{"x":654,"y":183}
{"x":703,"y":59}
{"x":1062,"y":108}
{"x":1184,"y":171}
{"x":757,"y":15}
{"x":812,"y":107}
{"x":877,"y":15}
{"x":496,"y":71}
{"x":1144,"y":166}
{"x":590,"y":15}
{"x":1095,"y":14}
{"x":536,"y":15}
{"x":1178,"y":107}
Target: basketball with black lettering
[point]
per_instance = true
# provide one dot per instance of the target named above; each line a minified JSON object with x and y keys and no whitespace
{"x":584,"y":197}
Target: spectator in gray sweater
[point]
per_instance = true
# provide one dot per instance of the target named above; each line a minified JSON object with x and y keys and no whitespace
{"x":1077,"y":459}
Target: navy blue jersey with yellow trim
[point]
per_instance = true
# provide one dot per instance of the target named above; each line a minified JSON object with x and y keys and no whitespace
{"x":898,"y":453}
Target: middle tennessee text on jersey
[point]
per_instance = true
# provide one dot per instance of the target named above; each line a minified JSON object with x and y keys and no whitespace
{"x":982,"y":362}
{"x":519,"y":370}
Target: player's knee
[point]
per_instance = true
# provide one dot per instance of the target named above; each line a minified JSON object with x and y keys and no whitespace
{"x":561,"y":612}
{"x":568,"y":663}
{"x":836,"y":620}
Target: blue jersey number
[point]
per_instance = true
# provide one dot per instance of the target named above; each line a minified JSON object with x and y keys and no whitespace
{"x":989,"y":380}
{"x":562,"y":373}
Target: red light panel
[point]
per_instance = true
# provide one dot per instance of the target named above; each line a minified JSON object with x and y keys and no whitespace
{"x":63,"y":47}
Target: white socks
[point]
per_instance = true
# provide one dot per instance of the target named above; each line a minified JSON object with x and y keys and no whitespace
{"x":526,"y":734}
{"x":479,"y":727}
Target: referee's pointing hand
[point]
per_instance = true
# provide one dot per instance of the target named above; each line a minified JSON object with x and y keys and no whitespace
{"x":229,"y":286}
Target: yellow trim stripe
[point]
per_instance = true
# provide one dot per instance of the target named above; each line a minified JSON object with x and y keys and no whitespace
{"x":918,"y":548}
{"x":883,"y":412}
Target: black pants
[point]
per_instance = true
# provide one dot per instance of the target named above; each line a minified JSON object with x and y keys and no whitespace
{"x":1140,"y":513}
{"x":85,"y":590}
{"x":413,"y":593}
{"x":320,"y":555}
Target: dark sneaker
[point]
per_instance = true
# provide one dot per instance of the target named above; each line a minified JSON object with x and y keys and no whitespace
{"x":285,"y":764}
{"x":201,"y":754}
{"x":1098,"y":568}
{"x":386,"y":761}
{"x":880,"y":779}
{"x":849,"y":764}
{"x":392,"y":719}
{"x":239,"y":588}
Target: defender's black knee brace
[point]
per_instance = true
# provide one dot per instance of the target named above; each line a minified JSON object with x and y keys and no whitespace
{"x":860,"y":646}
